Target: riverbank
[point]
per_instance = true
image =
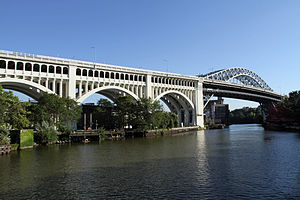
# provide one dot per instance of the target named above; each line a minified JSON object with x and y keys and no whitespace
{"x":281,"y":126}
{"x":172,"y":131}
{"x":94,"y":135}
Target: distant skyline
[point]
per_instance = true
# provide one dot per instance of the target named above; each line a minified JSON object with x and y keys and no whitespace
{"x":186,"y":37}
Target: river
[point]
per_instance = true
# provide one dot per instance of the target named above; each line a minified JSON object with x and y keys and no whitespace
{"x":240,"y":162}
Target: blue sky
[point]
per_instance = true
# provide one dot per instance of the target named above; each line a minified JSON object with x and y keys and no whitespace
{"x":194,"y":37}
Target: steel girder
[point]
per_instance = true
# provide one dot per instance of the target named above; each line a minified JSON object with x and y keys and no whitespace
{"x":243,"y":75}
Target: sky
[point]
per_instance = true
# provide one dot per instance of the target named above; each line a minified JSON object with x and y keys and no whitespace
{"x":188,"y":37}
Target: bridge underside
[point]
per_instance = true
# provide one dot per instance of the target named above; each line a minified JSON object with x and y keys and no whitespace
{"x":240,"y":92}
{"x":182,"y":108}
{"x":32,"y":90}
{"x":175,"y":102}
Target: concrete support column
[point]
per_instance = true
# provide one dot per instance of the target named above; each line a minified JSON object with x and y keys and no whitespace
{"x":148,"y":92}
{"x":32,"y":68}
{"x":80,"y":89}
{"x":6,"y":66}
{"x":46,"y":83}
{"x":199,"y":103}
{"x":54,"y":86}
{"x":136,"y":91}
{"x":159,"y":91}
{"x":84,"y":121}
{"x":141,"y":92}
{"x":71,"y":85}
{"x":91,"y":120}
{"x":86,"y":87}
{"x":60,"y":88}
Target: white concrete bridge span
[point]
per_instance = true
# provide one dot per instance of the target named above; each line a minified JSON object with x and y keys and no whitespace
{"x":33,"y":75}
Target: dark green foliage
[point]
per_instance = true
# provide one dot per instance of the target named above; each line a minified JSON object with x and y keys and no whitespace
{"x":246,"y":115}
{"x":45,"y":133}
{"x":12,"y":115}
{"x":293,"y":102}
{"x":12,"y":110}
{"x":55,"y":110}
{"x":141,"y":115}
{"x":104,"y":114}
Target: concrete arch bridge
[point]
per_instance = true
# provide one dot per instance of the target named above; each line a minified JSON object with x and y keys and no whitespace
{"x":34,"y":75}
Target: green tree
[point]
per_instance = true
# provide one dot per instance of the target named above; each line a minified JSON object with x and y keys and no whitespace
{"x":55,"y":110}
{"x":144,"y":113}
{"x":140,"y":115}
{"x":104,"y":114}
{"x":12,"y":110}
{"x":45,"y":133}
{"x":124,"y":110}
{"x":246,"y":115}
{"x":12,"y":114}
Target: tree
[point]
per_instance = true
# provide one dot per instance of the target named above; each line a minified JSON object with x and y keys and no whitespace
{"x":55,"y":110}
{"x":246,"y":115}
{"x":124,"y":110}
{"x":45,"y":133}
{"x":144,"y":113}
{"x":12,"y":110}
{"x":293,"y":102}
{"x":140,"y":115}
{"x":104,"y":114}
{"x":12,"y":114}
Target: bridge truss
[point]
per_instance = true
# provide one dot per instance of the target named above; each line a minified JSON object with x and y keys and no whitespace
{"x":242,"y":75}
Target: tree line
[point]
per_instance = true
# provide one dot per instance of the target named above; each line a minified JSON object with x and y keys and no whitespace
{"x":52,"y":115}
{"x":139,"y":116}
{"x":246,"y":115}
{"x":292,"y":103}
{"x":289,"y":107}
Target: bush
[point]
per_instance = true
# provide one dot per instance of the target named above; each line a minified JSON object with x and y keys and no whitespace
{"x":4,"y":140}
{"x":101,"y":132}
{"x":64,"y":133}
{"x":4,"y":135}
{"x":45,"y":133}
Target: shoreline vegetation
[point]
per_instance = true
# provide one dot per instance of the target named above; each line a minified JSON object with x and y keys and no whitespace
{"x":52,"y":118}
{"x":281,"y":116}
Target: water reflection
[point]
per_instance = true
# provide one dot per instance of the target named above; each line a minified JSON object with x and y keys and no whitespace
{"x":243,"y":161}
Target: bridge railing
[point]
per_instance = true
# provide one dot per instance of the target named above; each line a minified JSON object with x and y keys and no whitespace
{"x":92,"y":64}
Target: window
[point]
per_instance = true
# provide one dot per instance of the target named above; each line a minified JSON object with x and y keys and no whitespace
{"x":36,"y":68}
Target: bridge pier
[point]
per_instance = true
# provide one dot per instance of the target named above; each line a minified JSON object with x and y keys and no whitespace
{"x":71,"y":91}
{"x":199,"y":104}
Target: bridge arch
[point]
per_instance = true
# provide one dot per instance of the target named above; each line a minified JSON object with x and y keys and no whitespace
{"x":102,"y":90}
{"x":190,"y":103}
{"x":32,"y":89}
{"x":180,"y":103}
{"x":243,"y":75}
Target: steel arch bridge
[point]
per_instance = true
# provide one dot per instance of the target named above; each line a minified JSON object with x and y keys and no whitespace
{"x":244,"y":76}
{"x":34,"y":75}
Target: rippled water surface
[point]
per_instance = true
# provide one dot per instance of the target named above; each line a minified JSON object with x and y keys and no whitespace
{"x":241,"y":162}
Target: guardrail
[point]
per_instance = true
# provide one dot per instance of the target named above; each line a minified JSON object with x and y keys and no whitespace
{"x":92,"y":64}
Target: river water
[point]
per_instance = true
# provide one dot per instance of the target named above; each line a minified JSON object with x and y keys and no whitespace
{"x":240,"y":162}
